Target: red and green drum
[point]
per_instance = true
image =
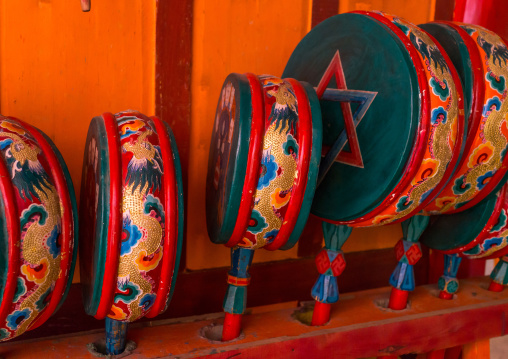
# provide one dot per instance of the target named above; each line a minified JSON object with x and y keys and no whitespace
{"x":38,"y":227}
{"x":262,"y":171}
{"x":132,"y":219}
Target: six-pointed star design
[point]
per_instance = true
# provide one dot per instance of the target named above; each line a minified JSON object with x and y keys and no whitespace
{"x":336,"y":153}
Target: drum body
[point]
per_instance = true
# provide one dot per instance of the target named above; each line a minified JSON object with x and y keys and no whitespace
{"x":263,"y":162}
{"x":38,"y":224}
{"x":132,"y":216}
{"x":411,"y":136}
{"x":478,"y":232}
{"x":480,"y":57}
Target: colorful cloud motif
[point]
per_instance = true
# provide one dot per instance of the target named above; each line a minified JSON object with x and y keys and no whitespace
{"x":117,"y":313}
{"x":460,"y":186}
{"x":441,"y":90}
{"x":481,"y":154}
{"x":268,"y":170}
{"x":36,"y":273}
{"x":130,"y":235}
{"x":147,"y":263}
{"x":257,"y":222}
{"x":13,"y":127}
{"x":128,"y":292}
{"x":498,"y":84}
{"x":15,"y":319}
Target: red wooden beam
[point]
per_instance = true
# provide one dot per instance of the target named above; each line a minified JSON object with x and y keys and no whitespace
{"x":360,"y":327}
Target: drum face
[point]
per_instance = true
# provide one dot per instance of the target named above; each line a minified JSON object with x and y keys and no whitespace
{"x":227,"y":162}
{"x":94,"y":214}
{"x":128,"y":272}
{"x":408,"y":137}
{"x":41,"y":216}
{"x":478,"y":232}
{"x":454,"y":233}
{"x":483,"y":165}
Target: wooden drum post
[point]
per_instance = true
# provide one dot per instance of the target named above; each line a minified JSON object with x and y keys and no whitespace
{"x":330,"y":263}
{"x":408,"y":251}
{"x":389,"y":93}
{"x":132,"y":221}
{"x":262,"y":171}
{"x":38,"y":228}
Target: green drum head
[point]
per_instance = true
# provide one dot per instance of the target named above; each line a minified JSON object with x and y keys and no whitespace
{"x":180,"y":201}
{"x":374,"y":59}
{"x":454,"y":231}
{"x":457,"y":50}
{"x":4,"y":249}
{"x":94,"y":214}
{"x":227,"y":161}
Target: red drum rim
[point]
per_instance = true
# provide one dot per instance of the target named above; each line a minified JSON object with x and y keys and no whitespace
{"x":253,"y":161}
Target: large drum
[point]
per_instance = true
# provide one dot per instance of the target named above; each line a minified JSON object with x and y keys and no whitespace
{"x":38,"y":241}
{"x":409,"y":139}
{"x":131,"y":217}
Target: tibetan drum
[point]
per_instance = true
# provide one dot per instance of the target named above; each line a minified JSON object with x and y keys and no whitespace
{"x":131,"y":216}
{"x":410,"y":138}
{"x":263,"y":162}
{"x":38,"y":242}
{"x":480,"y":57}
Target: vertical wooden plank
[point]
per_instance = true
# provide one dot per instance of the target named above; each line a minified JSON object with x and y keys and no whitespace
{"x":173,"y":65}
{"x":444,"y":10}
{"x":323,"y":9}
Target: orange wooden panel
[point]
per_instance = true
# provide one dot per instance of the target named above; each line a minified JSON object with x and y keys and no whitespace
{"x":255,"y":36}
{"x":59,"y":66}
{"x":416,"y":11}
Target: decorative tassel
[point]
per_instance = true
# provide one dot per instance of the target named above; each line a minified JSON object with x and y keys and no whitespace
{"x":330,"y":263}
{"x":448,"y":283}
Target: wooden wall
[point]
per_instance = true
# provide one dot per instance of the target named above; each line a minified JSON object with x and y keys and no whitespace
{"x":59,"y":67}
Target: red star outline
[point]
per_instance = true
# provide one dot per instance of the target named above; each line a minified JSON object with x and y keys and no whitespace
{"x":353,"y":158}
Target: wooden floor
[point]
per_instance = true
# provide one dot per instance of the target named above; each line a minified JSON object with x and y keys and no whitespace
{"x":360,"y":327}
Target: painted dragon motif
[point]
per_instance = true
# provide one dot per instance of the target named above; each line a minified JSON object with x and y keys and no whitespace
{"x":40,"y":228}
{"x":143,"y":229}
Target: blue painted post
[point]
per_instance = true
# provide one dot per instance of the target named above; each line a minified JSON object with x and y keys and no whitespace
{"x":330,"y":263}
{"x":235,"y":300}
{"x":116,"y":336}
{"x":448,"y":282}
{"x":408,"y":252}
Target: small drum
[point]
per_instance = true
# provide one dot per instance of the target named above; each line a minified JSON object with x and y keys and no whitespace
{"x":263,"y":162}
{"x":410,"y":137}
{"x":38,"y":241}
{"x":131,"y":216}
{"x":478,"y":232}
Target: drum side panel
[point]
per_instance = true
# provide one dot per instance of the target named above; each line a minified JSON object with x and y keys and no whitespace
{"x":227,"y":162}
